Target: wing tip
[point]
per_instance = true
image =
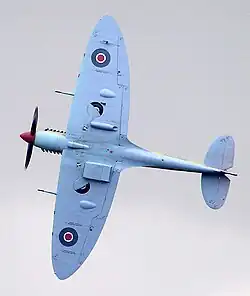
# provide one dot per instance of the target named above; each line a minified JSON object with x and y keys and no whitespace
{"x":107,"y":22}
{"x":108,"y":17}
{"x":62,"y":272}
{"x":64,"y":269}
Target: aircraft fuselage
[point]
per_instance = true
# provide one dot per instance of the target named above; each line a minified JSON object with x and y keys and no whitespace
{"x":56,"y":142}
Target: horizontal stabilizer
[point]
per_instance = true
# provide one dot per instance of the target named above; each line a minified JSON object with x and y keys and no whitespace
{"x":214,"y":189}
{"x":221,"y":153}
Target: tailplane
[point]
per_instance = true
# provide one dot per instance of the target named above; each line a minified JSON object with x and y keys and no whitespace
{"x":221,"y":153}
{"x":220,"y":156}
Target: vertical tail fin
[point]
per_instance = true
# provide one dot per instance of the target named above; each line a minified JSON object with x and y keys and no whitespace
{"x":221,"y":156}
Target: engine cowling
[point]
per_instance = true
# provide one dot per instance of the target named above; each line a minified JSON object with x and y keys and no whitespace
{"x":50,"y":141}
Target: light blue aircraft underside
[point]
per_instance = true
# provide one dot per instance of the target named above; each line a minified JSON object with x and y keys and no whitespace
{"x":95,"y":149}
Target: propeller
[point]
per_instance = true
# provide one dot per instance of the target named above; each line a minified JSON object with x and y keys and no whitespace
{"x":29,"y":137}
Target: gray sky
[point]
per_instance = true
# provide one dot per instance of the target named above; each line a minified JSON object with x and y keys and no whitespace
{"x":189,"y":84}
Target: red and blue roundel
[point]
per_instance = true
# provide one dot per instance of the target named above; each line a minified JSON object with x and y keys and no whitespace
{"x":100,"y":57}
{"x":68,"y":237}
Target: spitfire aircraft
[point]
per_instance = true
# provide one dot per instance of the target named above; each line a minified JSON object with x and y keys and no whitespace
{"x":95,"y":149}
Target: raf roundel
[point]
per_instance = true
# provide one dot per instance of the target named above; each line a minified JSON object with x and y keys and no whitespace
{"x":100,"y":57}
{"x":68,"y":237}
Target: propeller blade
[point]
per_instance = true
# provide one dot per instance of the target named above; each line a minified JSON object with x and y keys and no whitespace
{"x":28,"y":154}
{"x":34,"y":122}
{"x":29,"y":137}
